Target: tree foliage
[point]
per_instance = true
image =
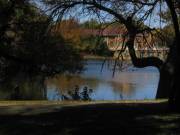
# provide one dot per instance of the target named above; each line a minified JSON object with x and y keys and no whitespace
{"x":28,"y":45}
{"x":133,"y":14}
{"x":81,"y":36}
{"x":69,"y":30}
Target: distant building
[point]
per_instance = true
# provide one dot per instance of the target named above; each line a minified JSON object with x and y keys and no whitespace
{"x":115,"y":39}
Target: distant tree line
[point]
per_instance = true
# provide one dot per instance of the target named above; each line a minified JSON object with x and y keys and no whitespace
{"x":77,"y":33}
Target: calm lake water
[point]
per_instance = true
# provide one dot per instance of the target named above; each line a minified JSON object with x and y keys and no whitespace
{"x":131,"y":83}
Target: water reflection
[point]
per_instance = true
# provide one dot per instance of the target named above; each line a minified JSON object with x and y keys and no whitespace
{"x":62,"y":85}
{"x":77,"y":94}
{"x":132,"y":83}
{"x":23,"y":88}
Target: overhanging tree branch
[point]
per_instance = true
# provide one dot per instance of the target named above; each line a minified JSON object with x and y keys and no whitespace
{"x":129,"y":23}
{"x":142,"y":62}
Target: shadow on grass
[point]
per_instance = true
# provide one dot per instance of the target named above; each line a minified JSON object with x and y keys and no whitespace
{"x":145,"y":119}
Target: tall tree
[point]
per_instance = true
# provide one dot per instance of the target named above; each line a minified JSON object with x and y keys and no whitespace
{"x":133,"y":14}
{"x":174,"y":96}
{"x":27,"y":44}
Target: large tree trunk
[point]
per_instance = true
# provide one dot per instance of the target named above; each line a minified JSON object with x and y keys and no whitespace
{"x":165,"y":86}
{"x":165,"y":82}
{"x":174,"y":96}
{"x":175,"y":99}
{"x":166,"y":69}
{"x":169,"y":86}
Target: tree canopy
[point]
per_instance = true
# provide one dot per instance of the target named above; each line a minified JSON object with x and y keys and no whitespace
{"x":27,"y":43}
{"x":133,"y":14}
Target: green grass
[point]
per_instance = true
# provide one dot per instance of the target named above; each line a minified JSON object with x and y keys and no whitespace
{"x":45,"y":102}
{"x":145,"y":117}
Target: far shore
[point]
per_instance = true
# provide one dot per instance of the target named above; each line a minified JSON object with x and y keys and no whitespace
{"x":96,"y":57}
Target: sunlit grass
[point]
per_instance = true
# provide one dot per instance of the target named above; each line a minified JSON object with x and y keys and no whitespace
{"x":45,"y":102}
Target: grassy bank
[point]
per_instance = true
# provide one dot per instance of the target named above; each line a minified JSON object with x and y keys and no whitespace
{"x":46,"y":102}
{"x":97,"y":57}
{"x":103,"y":117}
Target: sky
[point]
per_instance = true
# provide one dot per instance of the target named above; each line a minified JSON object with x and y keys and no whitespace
{"x":154,"y":21}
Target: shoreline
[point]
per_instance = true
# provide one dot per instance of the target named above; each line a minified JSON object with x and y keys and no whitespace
{"x":97,"y":57}
{"x":46,"y":102}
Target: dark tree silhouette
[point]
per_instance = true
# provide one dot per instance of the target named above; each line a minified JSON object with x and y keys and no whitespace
{"x":27,"y":43}
{"x":133,"y":14}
